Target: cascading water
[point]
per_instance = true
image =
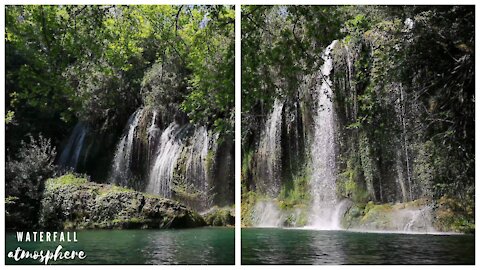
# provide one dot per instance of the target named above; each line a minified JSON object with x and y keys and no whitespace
{"x":179,"y":161}
{"x":269,"y":151}
{"x":121,"y":166}
{"x":419,"y":220}
{"x":266,"y":214}
{"x":71,"y":153}
{"x":152,"y":132}
{"x":169,"y":149}
{"x":197,"y":160}
{"x":323,"y":213}
{"x":268,"y":155}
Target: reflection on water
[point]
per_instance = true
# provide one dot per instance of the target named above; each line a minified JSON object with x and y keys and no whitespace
{"x":287,"y":246}
{"x":191,"y":246}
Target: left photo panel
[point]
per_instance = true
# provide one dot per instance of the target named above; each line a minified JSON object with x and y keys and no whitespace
{"x":119,"y":134}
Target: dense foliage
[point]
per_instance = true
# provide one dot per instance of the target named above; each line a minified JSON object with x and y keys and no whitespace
{"x":25,"y":176}
{"x":403,"y":91}
{"x":96,"y":64}
{"x":280,"y":45}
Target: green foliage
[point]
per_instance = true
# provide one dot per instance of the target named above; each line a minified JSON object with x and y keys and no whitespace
{"x":164,"y":85}
{"x":224,"y":216}
{"x":210,"y":160}
{"x":298,"y":194}
{"x":247,"y":160}
{"x":349,"y":183}
{"x":211,"y":57}
{"x":404,"y":98}
{"x":9,"y":117}
{"x":452,"y":214}
{"x":249,"y":199}
{"x":67,"y":179}
{"x":99,"y":63}
{"x":280,"y":45}
{"x":24,"y":180}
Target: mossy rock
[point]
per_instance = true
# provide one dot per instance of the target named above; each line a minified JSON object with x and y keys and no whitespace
{"x":216,"y":216}
{"x":453,"y":214}
{"x":70,"y":202}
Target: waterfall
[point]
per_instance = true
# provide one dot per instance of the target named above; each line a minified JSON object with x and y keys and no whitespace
{"x":419,"y":220}
{"x":179,"y":152}
{"x":197,"y":160}
{"x":323,"y":213}
{"x":178,"y":162}
{"x":122,"y":161}
{"x":266,"y":214}
{"x":152,"y":132}
{"x":169,"y":149}
{"x":269,"y":151}
{"x":71,"y":153}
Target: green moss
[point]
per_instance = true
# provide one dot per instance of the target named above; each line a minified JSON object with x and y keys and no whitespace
{"x":73,"y":203}
{"x":224,"y":216}
{"x":153,"y":196}
{"x":114,"y":188}
{"x":293,"y":199}
{"x":67,"y":179}
{"x":247,"y":162}
{"x":297,"y":193}
{"x":182,"y":190}
{"x":353,"y":216}
{"x":187,"y":192}
{"x":210,"y":160}
{"x":303,"y":218}
{"x":248,"y":202}
{"x":376,"y":215}
{"x":347,"y":185}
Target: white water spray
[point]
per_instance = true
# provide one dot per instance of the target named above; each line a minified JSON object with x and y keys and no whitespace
{"x":169,"y":149}
{"x":269,"y":150}
{"x":121,"y":166}
{"x":324,"y":213}
{"x":266,"y":214}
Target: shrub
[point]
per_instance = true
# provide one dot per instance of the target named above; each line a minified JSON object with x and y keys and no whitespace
{"x":25,"y":176}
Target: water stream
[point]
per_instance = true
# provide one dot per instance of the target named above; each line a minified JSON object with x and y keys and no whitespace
{"x":323,"y":214}
{"x":122,"y":162}
{"x":178,"y":161}
{"x":169,"y":149}
{"x":269,"y":151}
{"x":70,"y":156}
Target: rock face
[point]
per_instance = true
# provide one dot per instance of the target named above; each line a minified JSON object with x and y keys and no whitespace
{"x":75,"y":203}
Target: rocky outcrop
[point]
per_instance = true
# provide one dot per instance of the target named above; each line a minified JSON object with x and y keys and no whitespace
{"x":70,"y":202}
{"x":414,"y":216}
{"x":216,"y":216}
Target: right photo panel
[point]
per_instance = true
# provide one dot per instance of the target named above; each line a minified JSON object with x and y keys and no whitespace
{"x":358,"y":135}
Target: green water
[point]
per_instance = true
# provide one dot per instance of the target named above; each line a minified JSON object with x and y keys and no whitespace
{"x":291,"y":246}
{"x":189,"y":246}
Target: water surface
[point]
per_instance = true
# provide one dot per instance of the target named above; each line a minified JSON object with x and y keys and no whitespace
{"x":294,"y":246}
{"x":189,"y":246}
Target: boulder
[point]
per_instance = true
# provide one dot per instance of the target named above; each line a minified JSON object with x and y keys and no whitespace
{"x":70,"y":202}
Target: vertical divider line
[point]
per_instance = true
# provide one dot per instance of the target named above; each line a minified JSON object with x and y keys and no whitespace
{"x":238,"y":89}
{"x":2,"y":133}
{"x":477,"y":115}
